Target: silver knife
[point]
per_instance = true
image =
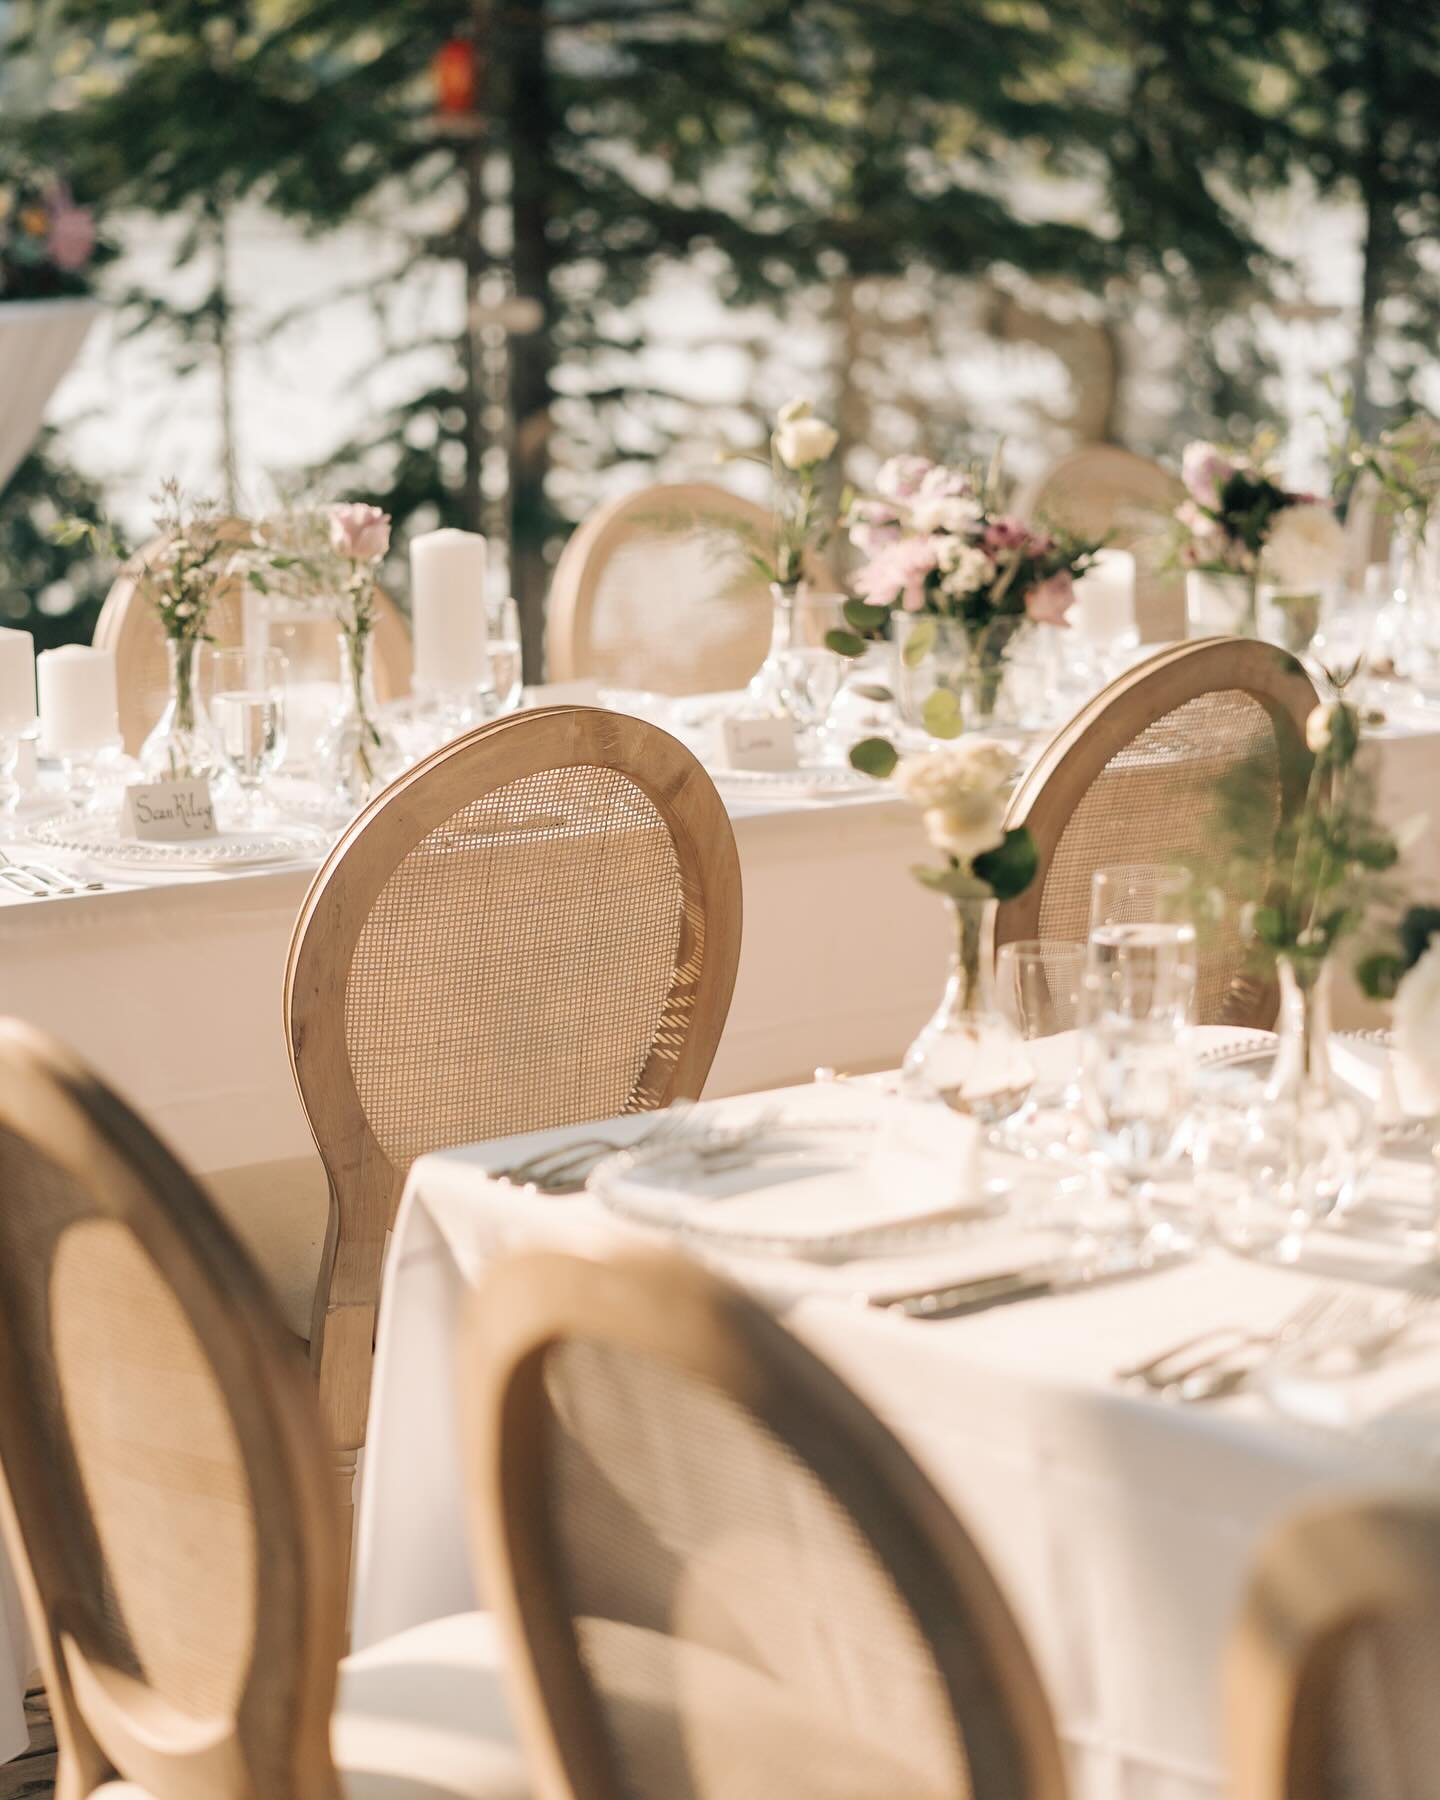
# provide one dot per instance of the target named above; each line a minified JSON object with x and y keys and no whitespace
{"x":1035,"y":1282}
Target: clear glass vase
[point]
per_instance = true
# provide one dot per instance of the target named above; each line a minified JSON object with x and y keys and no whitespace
{"x":1220,"y":603}
{"x":359,"y":750}
{"x":1289,"y":1159}
{"x":179,"y":748}
{"x":969,"y":1055}
{"x":948,"y":678}
{"x":1289,"y":619}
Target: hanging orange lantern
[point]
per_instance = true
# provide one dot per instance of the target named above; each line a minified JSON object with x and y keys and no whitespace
{"x":455,"y":78}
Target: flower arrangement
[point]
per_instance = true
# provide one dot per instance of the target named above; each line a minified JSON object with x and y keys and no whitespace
{"x":1238,"y":520}
{"x":961,"y":574}
{"x":963,"y":791}
{"x":47,"y":241}
{"x":360,"y":538}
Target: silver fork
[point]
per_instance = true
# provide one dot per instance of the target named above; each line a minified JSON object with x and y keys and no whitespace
{"x":45,"y":880}
{"x":1226,"y":1340}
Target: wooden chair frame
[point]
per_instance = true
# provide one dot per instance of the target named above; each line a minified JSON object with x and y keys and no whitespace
{"x":127,"y":625}
{"x":107,"y":1724}
{"x":365,"y":1185}
{"x":669,"y":1308}
{"x":1317,"y":1580}
{"x":588,"y":550}
{"x":1053,"y":787}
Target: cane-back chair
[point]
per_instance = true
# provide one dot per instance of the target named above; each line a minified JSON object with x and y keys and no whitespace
{"x":1104,"y":491}
{"x":128,"y":625}
{"x":167,"y":1496}
{"x":1135,"y":777}
{"x":537,"y":925}
{"x":656,"y":590}
{"x":717,"y":1574}
{"x":1333,"y":1671}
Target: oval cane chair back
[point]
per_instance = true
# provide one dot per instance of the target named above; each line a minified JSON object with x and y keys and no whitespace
{"x":164,"y":1487}
{"x":128,"y":625}
{"x":1104,"y":491}
{"x":656,"y":591}
{"x":538,"y":925}
{"x":1332,"y":1673}
{"x":718,"y":1574}
{"x":1135,"y":778}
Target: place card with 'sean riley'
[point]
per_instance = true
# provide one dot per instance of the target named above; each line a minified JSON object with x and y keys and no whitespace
{"x":764,"y":744}
{"x":169,"y":811}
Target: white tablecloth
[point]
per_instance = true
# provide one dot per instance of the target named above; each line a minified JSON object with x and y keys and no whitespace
{"x":1121,"y":1527}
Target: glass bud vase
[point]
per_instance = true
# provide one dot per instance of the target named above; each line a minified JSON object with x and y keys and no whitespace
{"x":989,"y":651}
{"x":1220,"y":603}
{"x":769,"y":686}
{"x":358,"y":749}
{"x":969,"y":1055}
{"x":179,"y":748}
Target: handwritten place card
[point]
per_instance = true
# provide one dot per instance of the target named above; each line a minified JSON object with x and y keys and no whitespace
{"x":764,"y":744}
{"x":169,"y":811}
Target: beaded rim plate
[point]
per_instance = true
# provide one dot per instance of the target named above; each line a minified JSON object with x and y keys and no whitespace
{"x":808,"y":783}
{"x":100,"y":841}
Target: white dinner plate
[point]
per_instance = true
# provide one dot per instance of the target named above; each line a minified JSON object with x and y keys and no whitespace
{"x":102,"y":842}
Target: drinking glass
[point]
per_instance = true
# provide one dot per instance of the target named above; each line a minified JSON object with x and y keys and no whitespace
{"x":1039,"y":987}
{"x":810,"y":674}
{"x":503,"y":627}
{"x":1135,"y":1072}
{"x":1140,"y":894}
{"x":247,"y":713}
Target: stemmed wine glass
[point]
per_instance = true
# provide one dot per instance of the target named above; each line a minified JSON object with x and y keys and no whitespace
{"x":247,"y":714}
{"x":502,"y":618}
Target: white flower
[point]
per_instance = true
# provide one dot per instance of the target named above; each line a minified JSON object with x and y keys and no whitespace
{"x":792,"y":410}
{"x":800,"y":443}
{"x":1318,"y":726}
{"x":1305,"y":549}
{"x":939,"y":778}
{"x":969,"y":826}
{"x":901,"y":476}
{"x":969,"y":570}
{"x":944,"y":512}
{"x":1417,"y":1014}
{"x":1335,"y":727}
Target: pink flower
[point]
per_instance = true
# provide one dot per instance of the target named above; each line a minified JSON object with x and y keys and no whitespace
{"x":1049,"y":601}
{"x":901,"y":477}
{"x":940,"y":483}
{"x":1005,"y":533}
{"x":358,"y":532}
{"x":900,"y":571}
{"x":1205,"y":470}
{"x":873,"y":524}
{"x":72,"y":233}
{"x":1040,"y":543}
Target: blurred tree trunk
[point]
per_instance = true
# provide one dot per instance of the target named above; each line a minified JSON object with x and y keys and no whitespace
{"x":532,"y":129}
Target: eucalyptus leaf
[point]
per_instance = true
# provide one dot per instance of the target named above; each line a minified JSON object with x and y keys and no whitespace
{"x":864,"y":617}
{"x":876,"y":757}
{"x":919,"y":643}
{"x":844,"y":643}
{"x":941,"y":716}
{"x":1009,"y":868}
{"x":953,"y":882}
{"x":871,"y":692}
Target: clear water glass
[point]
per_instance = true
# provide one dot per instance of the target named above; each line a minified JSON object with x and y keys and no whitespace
{"x":247,"y":716}
{"x":1040,"y":987}
{"x":1135,"y":1063}
{"x":1140,"y":894}
{"x":503,"y":628}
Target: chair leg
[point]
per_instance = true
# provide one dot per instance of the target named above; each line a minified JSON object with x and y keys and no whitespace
{"x":345,"y":1463}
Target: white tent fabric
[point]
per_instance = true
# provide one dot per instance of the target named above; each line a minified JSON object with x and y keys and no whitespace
{"x":39,"y":339}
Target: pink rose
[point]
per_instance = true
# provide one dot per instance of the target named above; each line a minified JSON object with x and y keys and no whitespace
{"x":358,"y":532}
{"x":873,"y":524}
{"x":1205,"y":470}
{"x":72,"y":234}
{"x":900,"y":572}
{"x":1005,"y":533}
{"x":1049,"y":601}
{"x":901,"y":477}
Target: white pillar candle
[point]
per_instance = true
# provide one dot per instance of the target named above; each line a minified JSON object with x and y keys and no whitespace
{"x":79,"y":708}
{"x":1105,"y":596}
{"x":447,"y":611}
{"x":17,"y":681}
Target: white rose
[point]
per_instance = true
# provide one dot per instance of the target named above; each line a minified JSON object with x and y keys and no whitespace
{"x":944,"y":778}
{"x":944,"y":512}
{"x":1305,"y":549}
{"x":792,"y":410}
{"x":1417,"y":1014}
{"x":1317,"y":727}
{"x":968,"y":826}
{"x":799,"y":443}
{"x":1333,"y":726}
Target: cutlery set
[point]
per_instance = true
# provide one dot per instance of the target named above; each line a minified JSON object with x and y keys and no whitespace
{"x":39,"y":881}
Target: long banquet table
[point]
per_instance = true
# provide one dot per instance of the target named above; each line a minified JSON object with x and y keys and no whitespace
{"x":1121,"y":1527}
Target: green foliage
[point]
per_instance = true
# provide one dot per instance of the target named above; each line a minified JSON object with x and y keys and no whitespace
{"x":1381,"y":971}
{"x":941,"y":715}
{"x":53,"y":590}
{"x":874,"y":756}
{"x":1009,"y":869}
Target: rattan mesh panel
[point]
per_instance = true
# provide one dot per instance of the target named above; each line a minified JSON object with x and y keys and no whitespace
{"x":741,"y":1635}
{"x":1156,"y":800}
{"x":678,"y":614}
{"x":1382,"y":1731}
{"x":142,"y":1490}
{"x":519,"y":965}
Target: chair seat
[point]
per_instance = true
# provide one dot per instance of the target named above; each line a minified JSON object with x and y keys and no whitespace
{"x":280,"y":1211}
{"x":423,"y":1716}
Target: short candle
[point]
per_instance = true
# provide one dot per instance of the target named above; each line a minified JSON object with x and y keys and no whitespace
{"x":1105,"y":596}
{"x":17,"y":681}
{"x":79,"y":707}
